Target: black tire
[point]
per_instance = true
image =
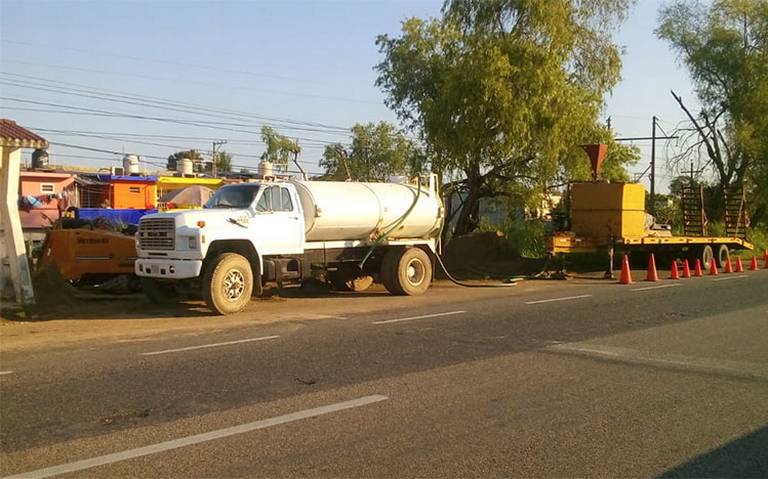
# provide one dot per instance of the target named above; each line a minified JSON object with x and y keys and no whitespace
{"x":158,"y":292}
{"x":228,"y":283}
{"x":722,"y":255}
{"x":706,"y":256}
{"x":406,"y":272}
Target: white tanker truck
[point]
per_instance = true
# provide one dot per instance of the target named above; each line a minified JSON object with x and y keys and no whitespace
{"x":284,"y":232}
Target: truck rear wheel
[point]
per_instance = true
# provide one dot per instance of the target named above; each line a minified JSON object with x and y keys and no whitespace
{"x":228,"y":283}
{"x":406,"y":272}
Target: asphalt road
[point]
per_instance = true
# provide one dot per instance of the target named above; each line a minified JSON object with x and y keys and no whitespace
{"x":582,"y":378}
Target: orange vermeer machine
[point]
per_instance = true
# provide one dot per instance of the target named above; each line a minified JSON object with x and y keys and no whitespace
{"x":610,"y":217}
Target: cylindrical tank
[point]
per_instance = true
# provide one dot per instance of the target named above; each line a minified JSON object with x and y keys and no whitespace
{"x":265,"y":168}
{"x":39,"y":159}
{"x":336,"y":210}
{"x":185,"y":166}
{"x":131,"y":164}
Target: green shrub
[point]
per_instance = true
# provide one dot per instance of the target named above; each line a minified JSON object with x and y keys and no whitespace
{"x":759,"y":238}
{"x":522,"y":238}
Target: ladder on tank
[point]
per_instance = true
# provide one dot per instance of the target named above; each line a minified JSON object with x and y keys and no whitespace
{"x":736,"y":219}
{"x":694,"y":217}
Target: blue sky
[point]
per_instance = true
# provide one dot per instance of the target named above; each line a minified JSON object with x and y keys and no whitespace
{"x":309,"y":61}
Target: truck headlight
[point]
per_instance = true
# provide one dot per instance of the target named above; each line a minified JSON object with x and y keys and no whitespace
{"x":192,"y":242}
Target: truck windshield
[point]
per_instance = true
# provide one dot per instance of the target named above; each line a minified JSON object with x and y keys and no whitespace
{"x":235,"y":196}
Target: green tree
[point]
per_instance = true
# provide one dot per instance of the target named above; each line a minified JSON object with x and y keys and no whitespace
{"x":724,"y":46}
{"x":280,"y":150}
{"x":377,"y":151}
{"x":502,"y":91}
{"x":194,"y":155}
{"x":223,"y":163}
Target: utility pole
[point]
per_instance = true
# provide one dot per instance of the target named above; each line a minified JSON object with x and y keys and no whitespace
{"x":216,"y":144}
{"x":343,"y":158}
{"x":653,"y":167}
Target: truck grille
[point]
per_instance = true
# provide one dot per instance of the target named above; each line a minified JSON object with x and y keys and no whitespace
{"x":157,"y":234}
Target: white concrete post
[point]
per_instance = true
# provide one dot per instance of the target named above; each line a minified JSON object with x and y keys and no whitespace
{"x":12,"y":236}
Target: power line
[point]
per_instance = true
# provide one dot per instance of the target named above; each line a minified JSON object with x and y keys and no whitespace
{"x":112,"y":152}
{"x":80,"y":87}
{"x":166,"y":62}
{"x":177,"y":107}
{"x":201,"y":83}
{"x":174,"y":147}
{"x":113,"y":95}
{"x":169,"y":137}
{"x":70,"y":109}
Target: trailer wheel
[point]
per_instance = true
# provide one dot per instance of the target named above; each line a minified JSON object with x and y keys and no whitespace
{"x":706,"y":256}
{"x":406,"y":272}
{"x":722,"y":255}
{"x":158,"y":292}
{"x":228,"y":283}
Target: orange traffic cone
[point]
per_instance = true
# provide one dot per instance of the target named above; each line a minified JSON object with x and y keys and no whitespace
{"x":697,"y":269}
{"x":728,"y":266}
{"x":753,"y":264}
{"x":686,"y":269}
{"x":739,"y":266}
{"x":626,"y":274}
{"x":675,"y":274}
{"x":713,"y":268}
{"x":652,"y":274}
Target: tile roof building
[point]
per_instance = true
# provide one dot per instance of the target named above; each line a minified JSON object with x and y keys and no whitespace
{"x":15,"y":136}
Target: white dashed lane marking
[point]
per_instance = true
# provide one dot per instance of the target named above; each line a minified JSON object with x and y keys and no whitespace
{"x":211,"y":345}
{"x":724,"y":278}
{"x":649,"y":288}
{"x":567,"y":298}
{"x":196,"y":439}
{"x":413,"y":318}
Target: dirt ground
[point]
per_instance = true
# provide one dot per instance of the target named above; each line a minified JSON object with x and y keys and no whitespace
{"x":65,"y":314}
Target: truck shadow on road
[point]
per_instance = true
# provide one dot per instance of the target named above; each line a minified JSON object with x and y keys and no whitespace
{"x":127,"y":307}
{"x":746,"y":456}
{"x":137,"y":306}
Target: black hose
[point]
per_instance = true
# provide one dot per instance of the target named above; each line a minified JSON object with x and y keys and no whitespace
{"x":469,"y":285}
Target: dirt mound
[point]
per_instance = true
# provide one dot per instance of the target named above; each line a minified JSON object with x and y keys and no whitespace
{"x":481,"y":255}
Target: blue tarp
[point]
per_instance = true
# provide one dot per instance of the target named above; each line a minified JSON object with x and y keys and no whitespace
{"x":124,"y":216}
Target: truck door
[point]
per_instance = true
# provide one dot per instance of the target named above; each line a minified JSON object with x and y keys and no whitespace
{"x":280,"y":225}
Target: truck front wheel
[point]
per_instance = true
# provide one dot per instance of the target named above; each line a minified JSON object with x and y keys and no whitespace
{"x":228,"y":283}
{"x":406,"y":272}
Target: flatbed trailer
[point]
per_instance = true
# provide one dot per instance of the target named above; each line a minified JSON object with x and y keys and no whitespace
{"x":611,"y":218}
{"x":705,"y":248}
